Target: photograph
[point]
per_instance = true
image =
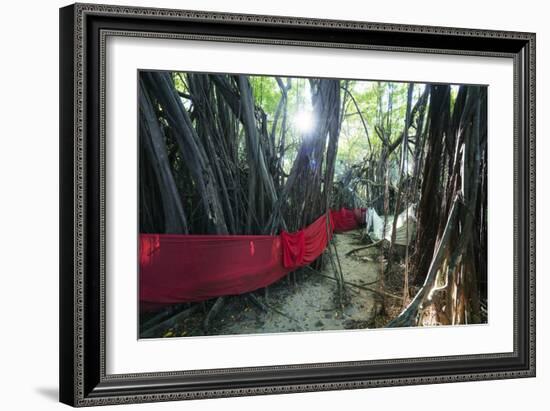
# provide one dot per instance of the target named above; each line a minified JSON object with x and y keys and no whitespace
{"x":282,"y":201}
{"x":283,"y":204}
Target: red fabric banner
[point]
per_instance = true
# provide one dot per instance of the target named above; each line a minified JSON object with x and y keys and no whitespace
{"x":188,"y":268}
{"x":346,"y":219}
{"x":305,"y":246}
{"x":294,"y":248}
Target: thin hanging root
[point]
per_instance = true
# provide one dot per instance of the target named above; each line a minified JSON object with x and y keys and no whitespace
{"x":339,"y":266}
{"x":339,"y":278}
{"x":379,"y":242}
{"x":256,"y":301}
{"x":264,"y":306}
{"x":362,"y":287}
{"x":336,"y":277}
{"x":213,"y":313}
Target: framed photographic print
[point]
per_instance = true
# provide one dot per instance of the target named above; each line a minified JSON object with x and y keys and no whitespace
{"x":262,"y":204}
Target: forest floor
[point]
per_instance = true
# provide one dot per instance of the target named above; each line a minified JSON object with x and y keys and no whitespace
{"x":305,"y":301}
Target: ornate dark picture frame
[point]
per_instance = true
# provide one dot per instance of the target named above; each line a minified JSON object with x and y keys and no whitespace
{"x":83,"y":30}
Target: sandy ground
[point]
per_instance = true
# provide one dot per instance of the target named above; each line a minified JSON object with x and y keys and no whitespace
{"x":308,"y":302}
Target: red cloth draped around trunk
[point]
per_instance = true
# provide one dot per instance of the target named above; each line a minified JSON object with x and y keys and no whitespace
{"x":188,"y":268}
{"x":305,"y":246}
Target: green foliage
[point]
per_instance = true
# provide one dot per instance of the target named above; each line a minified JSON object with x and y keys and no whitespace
{"x":179,"y":82}
{"x":266,"y":93}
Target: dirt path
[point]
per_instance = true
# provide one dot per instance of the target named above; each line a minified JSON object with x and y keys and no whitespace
{"x":310,"y":305}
